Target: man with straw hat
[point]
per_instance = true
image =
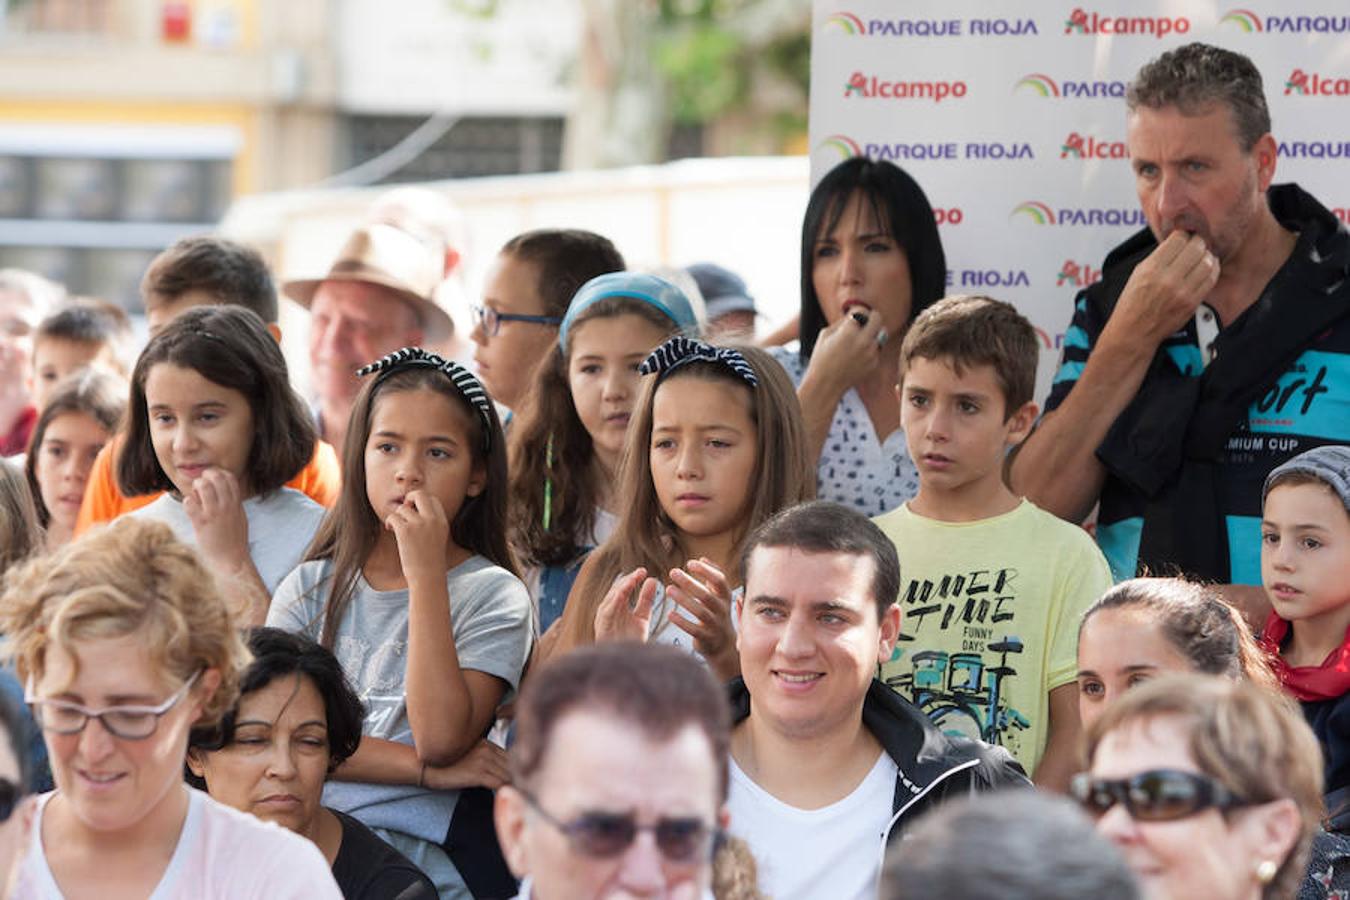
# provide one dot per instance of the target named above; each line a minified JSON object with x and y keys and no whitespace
{"x":377,"y":296}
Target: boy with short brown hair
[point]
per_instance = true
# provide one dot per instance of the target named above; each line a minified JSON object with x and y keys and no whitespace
{"x":88,"y":332}
{"x":1305,"y":570}
{"x":994,"y":586}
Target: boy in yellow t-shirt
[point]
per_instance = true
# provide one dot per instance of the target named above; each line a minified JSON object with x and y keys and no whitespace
{"x":993,"y":586}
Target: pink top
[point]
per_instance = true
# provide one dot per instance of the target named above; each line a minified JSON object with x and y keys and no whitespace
{"x":221,"y":853}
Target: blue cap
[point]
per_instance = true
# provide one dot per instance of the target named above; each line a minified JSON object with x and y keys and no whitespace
{"x":650,"y":289}
{"x":723,"y":290}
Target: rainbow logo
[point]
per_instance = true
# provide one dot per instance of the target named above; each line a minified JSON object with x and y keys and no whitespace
{"x":1041,"y":84}
{"x":1245,"y":19}
{"x":846,"y":147}
{"x":846,"y":22}
{"x":1038,"y":211}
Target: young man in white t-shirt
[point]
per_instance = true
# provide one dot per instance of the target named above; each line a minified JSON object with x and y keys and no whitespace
{"x":827,"y":763}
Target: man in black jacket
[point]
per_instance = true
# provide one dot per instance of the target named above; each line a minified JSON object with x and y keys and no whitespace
{"x":1215,"y":347}
{"x":828,"y":763}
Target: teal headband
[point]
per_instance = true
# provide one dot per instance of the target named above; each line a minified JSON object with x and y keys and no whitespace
{"x":649,"y":289}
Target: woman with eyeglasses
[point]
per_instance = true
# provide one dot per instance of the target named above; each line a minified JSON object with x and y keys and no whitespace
{"x":1211,"y":788}
{"x":124,"y":643}
{"x":296,"y":721}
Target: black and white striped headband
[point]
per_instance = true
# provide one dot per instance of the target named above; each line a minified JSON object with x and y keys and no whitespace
{"x":464,"y":381}
{"x":679,"y":350}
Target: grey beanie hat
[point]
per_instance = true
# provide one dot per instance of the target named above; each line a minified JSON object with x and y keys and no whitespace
{"x":1329,"y":464}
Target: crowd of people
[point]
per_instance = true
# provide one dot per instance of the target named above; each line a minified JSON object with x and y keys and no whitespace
{"x":627,"y":605}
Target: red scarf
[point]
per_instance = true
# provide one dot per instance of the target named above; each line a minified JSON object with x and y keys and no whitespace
{"x":1309,"y":683}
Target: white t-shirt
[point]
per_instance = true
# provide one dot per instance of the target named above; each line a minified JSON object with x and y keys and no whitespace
{"x":663,"y":631}
{"x":222,"y":854}
{"x":806,"y":854}
{"x":280,"y":527}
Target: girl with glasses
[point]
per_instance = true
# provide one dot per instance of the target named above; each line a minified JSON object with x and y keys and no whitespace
{"x":125,"y":643}
{"x":1210,"y":788}
{"x":527,"y":291}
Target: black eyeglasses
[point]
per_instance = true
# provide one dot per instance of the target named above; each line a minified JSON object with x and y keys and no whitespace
{"x":1159,"y":795}
{"x":10,"y":795}
{"x":131,"y":723}
{"x":607,"y":835}
{"x":491,"y":321}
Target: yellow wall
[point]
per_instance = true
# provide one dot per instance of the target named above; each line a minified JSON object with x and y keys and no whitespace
{"x":242,"y":118}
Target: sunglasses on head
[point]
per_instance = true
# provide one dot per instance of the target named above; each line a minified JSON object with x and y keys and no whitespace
{"x":1158,"y":795}
{"x":606,"y":835}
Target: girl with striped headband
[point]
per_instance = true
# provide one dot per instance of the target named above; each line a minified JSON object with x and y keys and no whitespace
{"x":411,"y":584}
{"x":716,"y":446}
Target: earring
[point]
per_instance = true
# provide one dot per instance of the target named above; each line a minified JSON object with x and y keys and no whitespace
{"x":1265,"y":871}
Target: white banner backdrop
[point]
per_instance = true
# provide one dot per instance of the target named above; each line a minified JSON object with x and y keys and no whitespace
{"x":1012,"y":118}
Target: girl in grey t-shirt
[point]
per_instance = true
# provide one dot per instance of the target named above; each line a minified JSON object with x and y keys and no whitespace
{"x":411,"y":584}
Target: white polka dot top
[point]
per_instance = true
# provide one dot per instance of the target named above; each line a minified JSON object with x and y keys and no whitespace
{"x":855,"y":468}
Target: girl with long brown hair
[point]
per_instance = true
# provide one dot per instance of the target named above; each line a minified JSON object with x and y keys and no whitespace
{"x":411,"y":584}
{"x":82,"y":413}
{"x":716,"y":446}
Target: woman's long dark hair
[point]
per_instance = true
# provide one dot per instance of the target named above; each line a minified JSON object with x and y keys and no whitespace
{"x":351,"y":528}
{"x":900,"y":206}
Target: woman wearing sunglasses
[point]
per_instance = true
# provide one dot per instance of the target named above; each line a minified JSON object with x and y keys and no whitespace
{"x":124,"y":643}
{"x":1210,"y":788}
{"x":296,"y":721}
{"x":1146,"y":627}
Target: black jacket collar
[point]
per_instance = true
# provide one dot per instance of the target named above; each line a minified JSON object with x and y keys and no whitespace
{"x":919,"y":749}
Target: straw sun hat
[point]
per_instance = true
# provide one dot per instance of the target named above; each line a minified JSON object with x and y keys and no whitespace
{"x":392,"y":258}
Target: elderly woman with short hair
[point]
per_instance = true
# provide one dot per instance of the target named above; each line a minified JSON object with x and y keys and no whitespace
{"x":296,"y":721}
{"x":1210,"y":787}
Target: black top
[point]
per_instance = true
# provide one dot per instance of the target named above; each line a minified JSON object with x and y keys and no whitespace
{"x":1330,"y":721}
{"x":1186,"y":459}
{"x":367,"y":868}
